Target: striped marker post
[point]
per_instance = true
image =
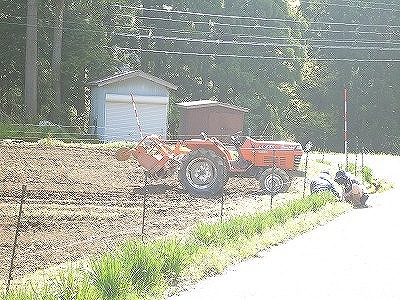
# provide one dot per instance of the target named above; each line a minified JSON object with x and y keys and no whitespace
{"x":137,"y":117}
{"x":345,"y":129}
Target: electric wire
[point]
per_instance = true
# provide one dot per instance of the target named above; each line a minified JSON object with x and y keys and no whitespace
{"x":160,"y":37}
{"x":253,"y":18}
{"x":353,"y":6}
{"x":374,"y":3}
{"x":240,"y":43}
{"x":207,"y":23}
{"x":254,"y":56}
{"x":151,"y":29}
{"x":223,"y":42}
{"x":214,"y":24}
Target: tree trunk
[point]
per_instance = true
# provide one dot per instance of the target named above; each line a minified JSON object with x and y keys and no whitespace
{"x":57,"y":47}
{"x":31,"y":74}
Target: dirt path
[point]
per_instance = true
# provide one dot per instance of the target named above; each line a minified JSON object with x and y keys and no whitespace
{"x":353,"y":257}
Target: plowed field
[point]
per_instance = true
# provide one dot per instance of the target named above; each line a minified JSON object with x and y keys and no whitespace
{"x":82,"y":201}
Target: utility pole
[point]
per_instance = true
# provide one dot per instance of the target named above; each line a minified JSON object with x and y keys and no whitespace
{"x":345,"y":129}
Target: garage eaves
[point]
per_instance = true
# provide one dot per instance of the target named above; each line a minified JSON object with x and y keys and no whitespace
{"x":129,"y":75}
{"x":209,"y":103}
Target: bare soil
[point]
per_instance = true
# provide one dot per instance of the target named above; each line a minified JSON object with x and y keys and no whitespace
{"x":82,"y":201}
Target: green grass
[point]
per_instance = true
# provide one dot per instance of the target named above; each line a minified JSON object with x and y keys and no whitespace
{"x":322,"y":161}
{"x":73,"y":284}
{"x":367,"y":174}
{"x":33,"y":133}
{"x":373,"y":184}
{"x":365,"y":171}
{"x":137,"y":270}
{"x":107,"y":276}
{"x":54,"y":136}
{"x":45,"y":293}
{"x":247,"y":226}
{"x":60,"y":143}
{"x":51,"y":142}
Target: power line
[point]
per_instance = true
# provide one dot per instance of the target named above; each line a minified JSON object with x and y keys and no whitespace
{"x":319,"y":47}
{"x":223,"y":42}
{"x":252,"y":18}
{"x":353,"y":6}
{"x":150,"y":29}
{"x":247,"y":18}
{"x":234,"y":42}
{"x":374,"y":3}
{"x":206,"y":23}
{"x":212,"y":24}
{"x":323,"y":40}
{"x":253,"y":56}
{"x":204,"y":54}
{"x":206,"y":41}
{"x":202,"y":14}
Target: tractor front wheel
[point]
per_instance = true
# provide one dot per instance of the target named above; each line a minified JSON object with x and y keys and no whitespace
{"x":203,"y":173}
{"x":274,"y":181}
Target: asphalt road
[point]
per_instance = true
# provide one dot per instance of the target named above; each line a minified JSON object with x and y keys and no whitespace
{"x":356,"y":256}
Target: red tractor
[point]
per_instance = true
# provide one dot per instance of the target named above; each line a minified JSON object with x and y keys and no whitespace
{"x":205,"y":165}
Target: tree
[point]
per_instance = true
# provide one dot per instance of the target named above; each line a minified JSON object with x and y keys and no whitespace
{"x":362,"y":42}
{"x":31,"y":60}
{"x":227,"y":62}
{"x":57,"y":50}
{"x":12,"y":62}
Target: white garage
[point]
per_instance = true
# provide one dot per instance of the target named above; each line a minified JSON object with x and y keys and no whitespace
{"x":122,"y":123}
{"x":112,"y":115}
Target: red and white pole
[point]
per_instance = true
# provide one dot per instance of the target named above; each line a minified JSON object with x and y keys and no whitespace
{"x":137,"y":117}
{"x":345,"y":128}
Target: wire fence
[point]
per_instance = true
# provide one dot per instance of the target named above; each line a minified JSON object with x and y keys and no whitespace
{"x":81,"y":201}
{"x":94,"y":134}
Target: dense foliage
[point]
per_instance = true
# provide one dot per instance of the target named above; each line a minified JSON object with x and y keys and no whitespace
{"x":287,"y":61}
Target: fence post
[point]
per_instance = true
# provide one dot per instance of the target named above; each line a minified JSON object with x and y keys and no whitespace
{"x":324,"y":147}
{"x":146,"y":190}
{"x":356,"y":157}
{"x":16,"y":238}
{"x":273,"y":178}
{"x":362,"y":164}
{"x":307,"y":149}
{"x":222,"y":206}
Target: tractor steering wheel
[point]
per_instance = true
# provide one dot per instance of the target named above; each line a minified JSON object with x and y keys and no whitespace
{"x":203,"y":135}
{"x":236,"y":140}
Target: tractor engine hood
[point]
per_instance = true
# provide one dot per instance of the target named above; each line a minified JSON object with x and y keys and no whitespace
{"x":272,"y":145}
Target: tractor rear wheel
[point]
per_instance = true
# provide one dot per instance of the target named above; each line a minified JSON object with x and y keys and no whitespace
{"x":274,"y":181}
{"x":203,"y":173}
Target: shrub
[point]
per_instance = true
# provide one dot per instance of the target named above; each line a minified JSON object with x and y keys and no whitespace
{"x":367,"y":174}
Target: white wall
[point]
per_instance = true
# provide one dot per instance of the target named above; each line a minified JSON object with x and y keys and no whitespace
{"x":120,"y":118}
